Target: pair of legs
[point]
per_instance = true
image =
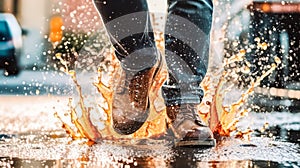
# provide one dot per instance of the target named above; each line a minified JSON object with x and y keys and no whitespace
{"x":187,"y":46}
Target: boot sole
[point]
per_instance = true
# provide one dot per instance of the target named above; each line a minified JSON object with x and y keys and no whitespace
{"x":196,"y":143}
{"x":131,"y":127}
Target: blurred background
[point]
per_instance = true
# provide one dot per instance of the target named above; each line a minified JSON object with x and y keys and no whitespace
{"x":50,"y":31}
{"x":44,"y":22}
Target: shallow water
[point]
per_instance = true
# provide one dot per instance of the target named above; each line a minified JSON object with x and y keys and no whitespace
{"x":58,"y":152}
{"x":32,"y":137}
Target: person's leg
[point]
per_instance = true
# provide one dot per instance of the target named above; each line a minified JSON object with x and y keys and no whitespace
{"x":187,"y":41}
{"x":128,"y":25}
{"x":187,"y":49}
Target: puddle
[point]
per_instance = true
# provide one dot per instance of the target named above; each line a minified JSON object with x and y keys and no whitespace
{"x":32,"y":137}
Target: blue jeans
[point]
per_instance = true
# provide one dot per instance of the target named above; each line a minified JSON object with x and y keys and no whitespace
{"x":186,"y":40}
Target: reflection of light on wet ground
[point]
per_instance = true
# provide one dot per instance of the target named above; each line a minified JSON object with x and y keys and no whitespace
{"x":256,"y":149}
{"x":108,"y":154}
{"x":285,"y":120}
{"x":22,"y":114}
{"x":32,"y":137}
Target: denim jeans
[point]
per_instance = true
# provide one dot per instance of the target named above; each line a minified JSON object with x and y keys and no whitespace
{"x":187,"y":40}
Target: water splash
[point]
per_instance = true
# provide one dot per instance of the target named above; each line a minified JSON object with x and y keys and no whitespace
{"x":90,"y":112}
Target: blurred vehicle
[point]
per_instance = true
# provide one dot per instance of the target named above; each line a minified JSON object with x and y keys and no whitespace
{"x":10,"y":43}
{"x":275,"y":32}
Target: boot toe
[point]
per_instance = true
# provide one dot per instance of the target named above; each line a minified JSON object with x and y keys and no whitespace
{"x":127,"y":127}
{"x":128,"y":120}
{"x":200,"y":133}
{"x":200,"y":137}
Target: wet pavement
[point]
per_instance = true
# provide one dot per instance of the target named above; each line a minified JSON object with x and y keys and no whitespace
{"x":261,"y":153}
{"x":32,"y":137}
{"x":29,"y":82}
